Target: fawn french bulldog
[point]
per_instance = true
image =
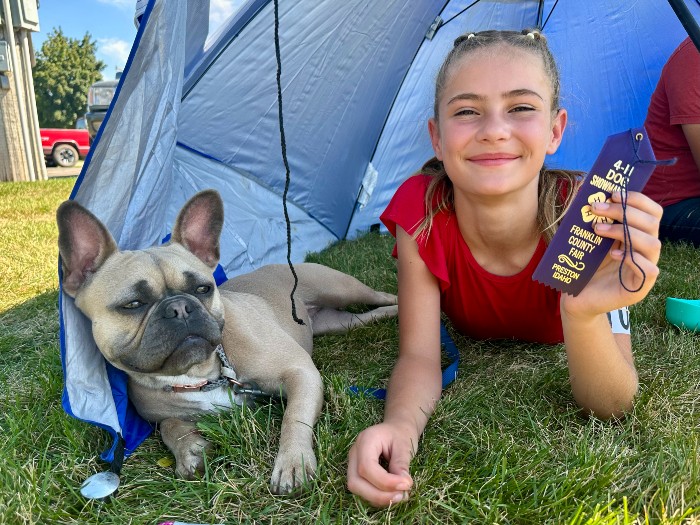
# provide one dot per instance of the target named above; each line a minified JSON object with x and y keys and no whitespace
{"x":185,"y":343}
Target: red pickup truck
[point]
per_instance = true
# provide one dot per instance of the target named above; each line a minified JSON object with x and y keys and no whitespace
{"x":64,"y":147}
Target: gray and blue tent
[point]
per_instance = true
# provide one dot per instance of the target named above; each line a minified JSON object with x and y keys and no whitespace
{"x":195,"y":110}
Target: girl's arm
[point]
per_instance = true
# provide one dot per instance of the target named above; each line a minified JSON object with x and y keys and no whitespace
{"x":692,"y":135}
{"x":416,"y":382}
{"x":601,"y":367}
{"x":414,"y":387}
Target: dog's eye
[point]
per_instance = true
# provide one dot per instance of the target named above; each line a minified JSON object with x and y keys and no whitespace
{"x":203,"y":289}
{"x":133,"y":305}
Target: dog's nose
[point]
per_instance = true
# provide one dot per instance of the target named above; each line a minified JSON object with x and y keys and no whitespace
{"x":177,"y":307}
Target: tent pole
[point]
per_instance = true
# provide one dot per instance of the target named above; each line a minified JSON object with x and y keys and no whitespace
{"x":686,"y":18}
{"x":540,"y":11}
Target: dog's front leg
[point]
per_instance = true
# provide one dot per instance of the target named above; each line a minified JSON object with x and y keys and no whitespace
{"x":296,"y":461}
{"x":186,"y":444}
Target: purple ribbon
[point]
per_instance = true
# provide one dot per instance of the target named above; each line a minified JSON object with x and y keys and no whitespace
{"x":624,"y":164}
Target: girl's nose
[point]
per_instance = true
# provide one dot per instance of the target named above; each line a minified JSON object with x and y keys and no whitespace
{"x":493,"y":128}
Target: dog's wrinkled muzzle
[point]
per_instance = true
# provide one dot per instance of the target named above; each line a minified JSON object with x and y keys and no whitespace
{"x":180,"y":333}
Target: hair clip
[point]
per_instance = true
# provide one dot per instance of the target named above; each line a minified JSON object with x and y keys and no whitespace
{"x":531,"y":35}
{"x":463,"y":38}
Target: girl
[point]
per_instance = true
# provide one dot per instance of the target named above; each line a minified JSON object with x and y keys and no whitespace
{"x":470,"y":230}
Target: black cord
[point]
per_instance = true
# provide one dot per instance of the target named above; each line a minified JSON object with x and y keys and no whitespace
{"x":462,"y":11}
{"x":627,"y":237}
{"x":284,"y":158}
{"x":477,"y":1}
{"x":550,"y":14}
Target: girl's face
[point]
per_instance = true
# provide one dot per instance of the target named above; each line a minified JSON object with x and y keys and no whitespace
{"x":495,"y":122}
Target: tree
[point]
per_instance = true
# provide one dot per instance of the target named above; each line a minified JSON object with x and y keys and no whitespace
{"x":65,"y":69}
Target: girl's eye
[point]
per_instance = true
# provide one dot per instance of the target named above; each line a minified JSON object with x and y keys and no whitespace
{"x":203,"y":289}
{"x":518,"y":109}
{"x":465,"y":112}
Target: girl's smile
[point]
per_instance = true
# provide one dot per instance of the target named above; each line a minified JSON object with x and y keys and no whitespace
{"x":492,"y":159}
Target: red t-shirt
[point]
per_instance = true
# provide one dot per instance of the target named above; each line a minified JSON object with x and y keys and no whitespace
{"x":479,"y":304}
{"x":675,"y":101}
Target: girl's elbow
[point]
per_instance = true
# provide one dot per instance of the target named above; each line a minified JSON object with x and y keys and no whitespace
{"x":613,"y":405}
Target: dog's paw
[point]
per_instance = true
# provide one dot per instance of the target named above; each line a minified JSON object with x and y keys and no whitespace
{"x":189,"y":457}
{"x":292,"y":469}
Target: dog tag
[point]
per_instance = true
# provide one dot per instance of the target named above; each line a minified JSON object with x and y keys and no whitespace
{"x":100,"y":485}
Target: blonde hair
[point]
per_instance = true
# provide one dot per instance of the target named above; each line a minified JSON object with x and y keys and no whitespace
{"x":556,"y":189}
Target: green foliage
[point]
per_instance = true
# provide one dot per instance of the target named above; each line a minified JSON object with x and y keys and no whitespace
{"x":505,"y":445}
{"x":65,"y":69}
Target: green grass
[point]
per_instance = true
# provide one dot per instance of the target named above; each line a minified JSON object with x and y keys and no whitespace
{"x":506,"y":443}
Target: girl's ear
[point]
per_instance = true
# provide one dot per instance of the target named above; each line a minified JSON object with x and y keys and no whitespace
{"x":558,"y":126}
{"x":434,"y":131}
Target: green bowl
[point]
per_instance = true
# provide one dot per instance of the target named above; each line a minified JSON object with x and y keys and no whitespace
{"x":684,"y":313}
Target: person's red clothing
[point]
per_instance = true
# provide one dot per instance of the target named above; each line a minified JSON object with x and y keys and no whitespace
{"x":479,"y":304}
{"x":675,"y":101}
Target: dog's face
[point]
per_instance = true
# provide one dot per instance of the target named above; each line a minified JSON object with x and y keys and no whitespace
{"x":155,"y":311}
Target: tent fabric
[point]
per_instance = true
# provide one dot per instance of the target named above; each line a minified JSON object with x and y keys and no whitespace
{"x":610,"y":56}
{"x":196,"y":111}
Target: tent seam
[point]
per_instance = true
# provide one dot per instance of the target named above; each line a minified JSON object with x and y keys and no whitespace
{"x":257,"y":181}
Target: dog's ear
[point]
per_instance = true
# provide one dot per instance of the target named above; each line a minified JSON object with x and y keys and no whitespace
{"x":198,"y":226}
{"x":83,"y":243}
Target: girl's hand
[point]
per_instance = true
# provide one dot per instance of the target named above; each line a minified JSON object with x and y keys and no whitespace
{"x":604,"y":292}
{"x":368,"y":478}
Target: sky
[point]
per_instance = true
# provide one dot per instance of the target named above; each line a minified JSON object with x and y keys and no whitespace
{"x":110,"y":24}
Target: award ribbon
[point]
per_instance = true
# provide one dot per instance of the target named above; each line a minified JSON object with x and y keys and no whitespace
{"x":624,"y":164}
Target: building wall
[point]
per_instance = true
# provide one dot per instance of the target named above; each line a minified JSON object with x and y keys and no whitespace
{"x":21,"y":157}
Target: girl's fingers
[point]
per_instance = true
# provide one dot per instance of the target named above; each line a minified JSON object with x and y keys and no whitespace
{"x":639,"y":201}
{"x":368,"y":478}
{"x":368,"y":491}
{"x":635,"y":263}
{"x":638,"y":273}
{"x":640,"y":211}
{"x":642,"y":242}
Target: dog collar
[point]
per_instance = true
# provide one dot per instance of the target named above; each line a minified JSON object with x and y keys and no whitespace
{"x":228,"y":378}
